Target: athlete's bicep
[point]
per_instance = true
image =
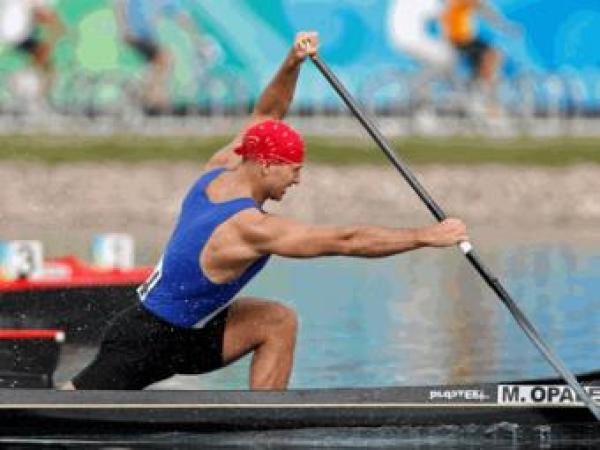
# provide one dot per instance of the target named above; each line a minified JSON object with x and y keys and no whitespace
{"x":271,"y":234}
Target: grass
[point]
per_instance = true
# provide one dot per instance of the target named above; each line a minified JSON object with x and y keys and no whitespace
{"x":347,"y":151}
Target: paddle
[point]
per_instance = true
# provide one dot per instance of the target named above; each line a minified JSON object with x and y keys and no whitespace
{"x":466,"y":247}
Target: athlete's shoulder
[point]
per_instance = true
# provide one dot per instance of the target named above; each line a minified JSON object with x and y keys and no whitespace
{"x":250,"y":217}
{"x":254,"y":224}
{"x":201,"y":182}
{"x":225,"y":157}
{"x":212,"y":170}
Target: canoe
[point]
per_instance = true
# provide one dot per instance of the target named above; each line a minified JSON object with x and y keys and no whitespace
{"x":79,"y":299}
{"x":539,"y":402}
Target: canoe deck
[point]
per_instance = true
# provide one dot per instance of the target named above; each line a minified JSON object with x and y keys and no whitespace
{"x":537,"y":402}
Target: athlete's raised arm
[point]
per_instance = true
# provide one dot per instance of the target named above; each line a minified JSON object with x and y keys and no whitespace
{"x":51,"y":20}
{"x":275,"y":100}
{"x":492,"y":15}
{"x":270,"y":234}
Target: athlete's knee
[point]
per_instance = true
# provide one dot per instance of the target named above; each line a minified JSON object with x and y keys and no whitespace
{"x":492,"y":56}
{"x":285,"y":319}
{"x":41,"y":54}
{"x":163,"y":59}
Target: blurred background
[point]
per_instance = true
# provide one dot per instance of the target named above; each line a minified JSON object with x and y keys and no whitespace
{"x":109,"y":108}
{"x":433,"y":67}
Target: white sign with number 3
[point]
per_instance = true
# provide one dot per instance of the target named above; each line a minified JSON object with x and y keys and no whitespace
{"x":23,"y":259}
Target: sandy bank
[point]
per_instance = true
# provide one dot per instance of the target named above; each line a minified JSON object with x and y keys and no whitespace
{"x":143,"y":199}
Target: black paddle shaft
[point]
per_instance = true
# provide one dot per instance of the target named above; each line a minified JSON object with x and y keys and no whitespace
{"x":466,"y":247}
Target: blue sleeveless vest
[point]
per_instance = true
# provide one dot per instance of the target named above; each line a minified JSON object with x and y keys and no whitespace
{"x":178,"y":291}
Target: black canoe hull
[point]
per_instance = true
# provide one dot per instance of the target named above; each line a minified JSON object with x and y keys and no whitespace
{"x":100,"y":412}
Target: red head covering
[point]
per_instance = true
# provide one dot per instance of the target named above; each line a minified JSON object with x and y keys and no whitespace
{"x":273,"y":142}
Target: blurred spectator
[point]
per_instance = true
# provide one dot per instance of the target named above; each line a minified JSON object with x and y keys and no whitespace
{"x":414,"y":30}
{"x":138,"y":22}
{"x":410,"y":24}
{"x":458,"y":20}
{"x":20,"y":23}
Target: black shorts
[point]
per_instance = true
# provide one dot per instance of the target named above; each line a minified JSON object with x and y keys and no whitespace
{"x":474,"y":51}
{"x":147,"y":48}
{"x":139,"y":349}
{"x":29,"y":45}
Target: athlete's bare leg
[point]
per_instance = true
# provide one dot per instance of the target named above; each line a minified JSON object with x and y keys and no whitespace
{"x":264,"y":327}
{"x":158,"y":78}
{"x":269,"y":330}
{"x":487,"y":77}
{"x":40,"y":58}
{"x":488,"y":69}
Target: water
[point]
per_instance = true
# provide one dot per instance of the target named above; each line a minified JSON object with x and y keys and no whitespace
{"x":501,"y":436}
{"x":423,"y":317}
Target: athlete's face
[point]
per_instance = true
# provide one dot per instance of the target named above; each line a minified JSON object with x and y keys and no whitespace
{"x":280,"y":177}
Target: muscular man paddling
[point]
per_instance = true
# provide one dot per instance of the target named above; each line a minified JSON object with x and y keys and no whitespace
{"x":189,"y":320}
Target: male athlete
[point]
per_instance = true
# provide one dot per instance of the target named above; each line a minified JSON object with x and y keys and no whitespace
{"x":458,"y":20}
{"x":138,"y":24}
{"x":20,"y":21}
{"x":189,"y":320}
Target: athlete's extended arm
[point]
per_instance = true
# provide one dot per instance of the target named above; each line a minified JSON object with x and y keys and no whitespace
{"x":50,"y":19}
{"x":268,"y":234}
{"x":275,"y":100}
{"x":121,"y":19}
{"x":492,"y":15}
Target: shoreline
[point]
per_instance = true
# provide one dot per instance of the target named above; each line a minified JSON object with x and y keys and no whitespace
{"x":79,"y":200}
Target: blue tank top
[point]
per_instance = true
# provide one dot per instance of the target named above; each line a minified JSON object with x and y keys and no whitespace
{"x":178,"y":291}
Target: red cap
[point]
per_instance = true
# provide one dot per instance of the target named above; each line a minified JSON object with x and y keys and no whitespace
{"x":272,"y":141}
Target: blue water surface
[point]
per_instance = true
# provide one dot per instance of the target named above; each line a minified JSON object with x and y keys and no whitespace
{"x":426,"y":317}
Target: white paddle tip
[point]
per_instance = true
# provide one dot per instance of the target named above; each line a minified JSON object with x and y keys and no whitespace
{"x":465,"y":247}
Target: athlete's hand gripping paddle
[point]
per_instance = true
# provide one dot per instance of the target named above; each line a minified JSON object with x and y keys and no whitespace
{"x":308,"y":43}
{"x":465,"y":247}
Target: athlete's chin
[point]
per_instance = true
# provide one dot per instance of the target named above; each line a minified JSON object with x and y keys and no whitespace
{"x":277,"y":196}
